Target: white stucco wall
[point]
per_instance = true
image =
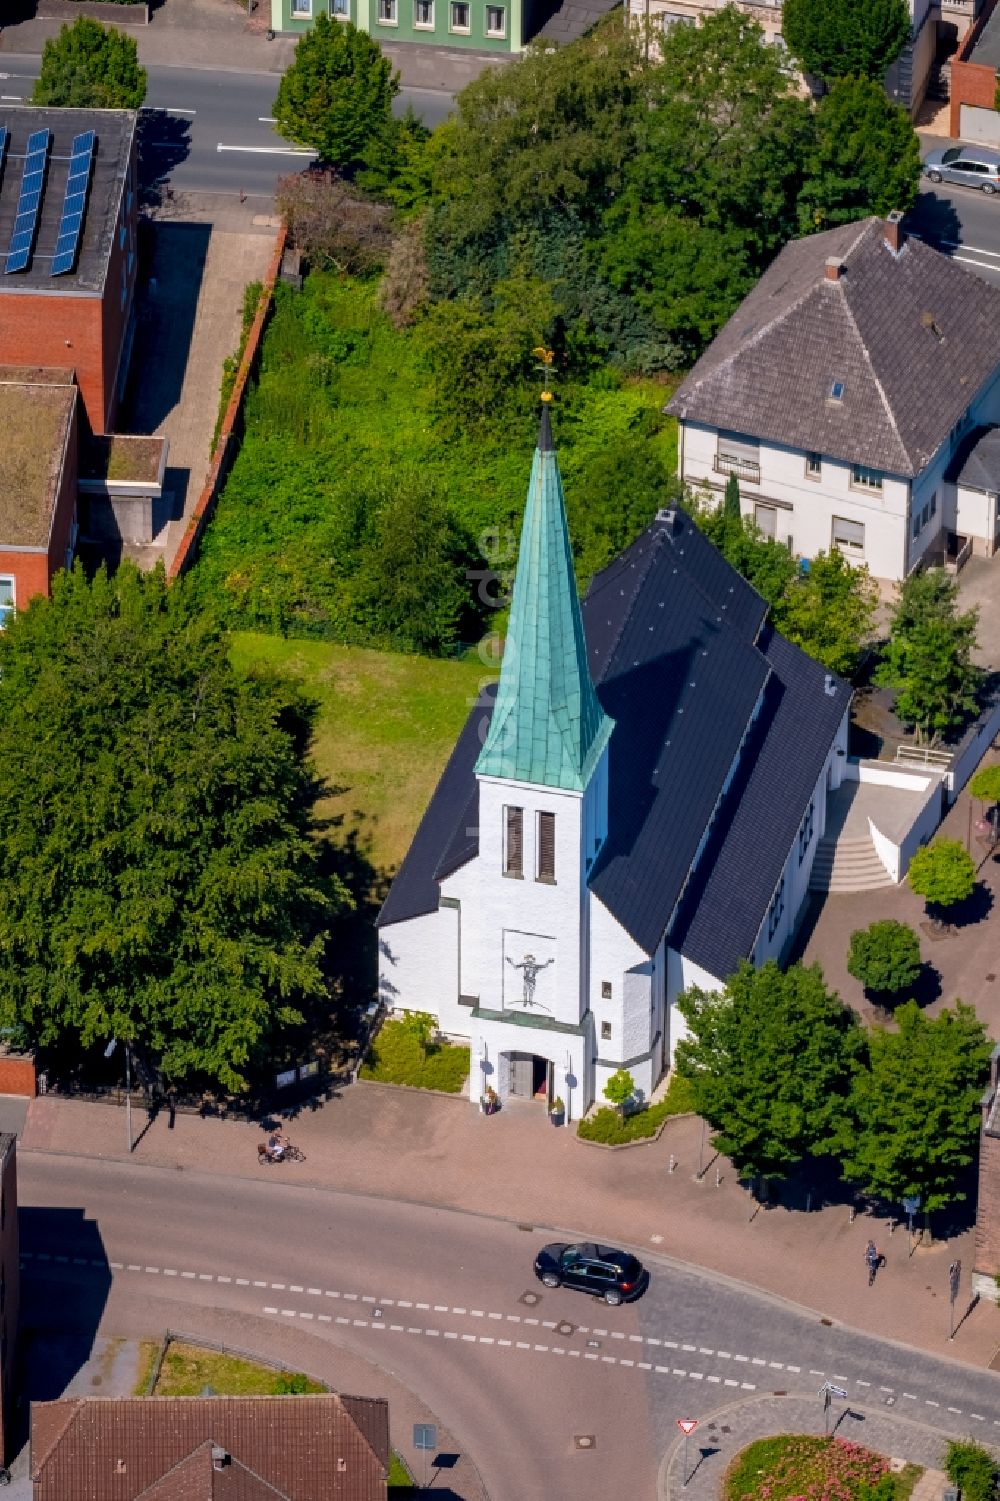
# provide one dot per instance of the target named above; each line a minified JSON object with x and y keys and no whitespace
{"x":569,"y":1054}
{"x":418,"y":968}
{"x":682,"y":974}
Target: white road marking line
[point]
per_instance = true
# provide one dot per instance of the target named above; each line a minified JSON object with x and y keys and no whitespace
{"x":340,"y":1319}
{"x":486,"y":1339}
{"x":978,"y":1417}
{"x":189,"y":1275}
{"x":643,"y":1365}
{"x":910,"y":1397}
{"x":470,"y":1339}
{"x":730,"y":1382}
{"x":260,"y":1284}
{"x":725,"y":1355}
{"x":450,"y":1334}
{"x":269,"y":1309}
{"x":477,"y":1313}
{"x":205,"y":1277}
{"x":458,"y":1310}
{"x":623,"y":1361}
{"x":403,"y":1302}
{"x":176,"y":109}
{"x":956,"y":1410}
{"x":242,"y":1282}
{"x":325,"y":1318}
{"x":796,"y":1368}
{"x":689,"y":1347}
{"x":288,"y":1313}
{"x":714,"y":1379}
{"x":266,"y":120}
{"x":864,"y":1383}
{"x":365,"y":1297}
{"x":747,"y":1386}
{"x":881,"y":1388}
{"x":218,"y":1279}
{"x":396,"y":1328}
{"x":168,"y":1271}
{"x":293,"y":1287}
{"x":353,"y":1298}
{"x":132,"y":1266}
{"x":266,"y":150}
{"x":929,"y":1403}
{"x":504,"y":1342}
{"x":496,"y":1315}
{"x":424,"y":1306}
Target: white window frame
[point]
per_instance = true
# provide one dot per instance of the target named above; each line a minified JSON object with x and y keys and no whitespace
{"x":459,"y":30}
{"x":8,"y":607}
{"x":492,"y":30}
{"x":850,"y":548}
{"x":605,"y":1031}
{"x":509,"y":870}
{"x":806,"y":829}
{"x":340,"y":10}
{"x":540,"y":817}
{"x":301,"y":10}
{"x":776,"y":910}
{"x":423,"y":25}
{"x":389,"y":20}
{"x":863,"y":478}
{"x":814,"y":466}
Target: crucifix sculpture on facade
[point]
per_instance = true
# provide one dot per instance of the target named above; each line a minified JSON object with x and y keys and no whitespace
{"x":529,"y":968}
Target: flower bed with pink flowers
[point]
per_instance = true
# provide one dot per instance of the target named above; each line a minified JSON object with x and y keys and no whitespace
{"x":795,"y":1467}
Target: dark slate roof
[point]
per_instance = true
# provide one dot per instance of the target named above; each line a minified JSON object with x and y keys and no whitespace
{"x":722,"y":910}
{"x":911,"y":335}
{"x":448,"y":835}
{"x":680,"y":656}
{"x":977,"y":462}
{"x":115,"y":132}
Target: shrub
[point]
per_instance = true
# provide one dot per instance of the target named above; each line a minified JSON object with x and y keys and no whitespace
{"x":885,"y":957}
{"x":973,"y":1469}
{"x":607,"y":1126}
{"x":397,"y":1057}
{"x":332,"y":223}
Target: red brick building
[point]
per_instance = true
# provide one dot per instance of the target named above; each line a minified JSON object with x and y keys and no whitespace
{"x":315,"y":1448}
{"x":38,"y":481}
{"x":68,"y":223}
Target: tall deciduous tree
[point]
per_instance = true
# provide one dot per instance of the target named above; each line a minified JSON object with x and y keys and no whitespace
{"x":913,"y":1120}
{"x":830,"y":611}
{"x":90,"y":66}
{"x":769,"y":1059}
{"x":860,"y":37}
{"x":866,"y":157}
{"x":159,"y":878}
{"x":337,"y":94}
{"x":928,"y":660}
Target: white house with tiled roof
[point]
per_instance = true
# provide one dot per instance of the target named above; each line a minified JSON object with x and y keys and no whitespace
{"x":636,"y":809}
{"x":848,"y":394}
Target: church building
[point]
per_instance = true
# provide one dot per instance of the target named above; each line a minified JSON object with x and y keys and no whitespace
{"x":633,"y":810}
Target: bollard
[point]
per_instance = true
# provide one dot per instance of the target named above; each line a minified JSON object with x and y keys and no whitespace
{"x":892,"y":1227}
{"x":718,"y":1178}
{"x":852,"y":1214}
{"x":809,"y":1202}
{"x":672,"y":1164}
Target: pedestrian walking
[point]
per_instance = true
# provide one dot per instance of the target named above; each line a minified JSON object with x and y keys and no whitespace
{"x":873,"y":1260}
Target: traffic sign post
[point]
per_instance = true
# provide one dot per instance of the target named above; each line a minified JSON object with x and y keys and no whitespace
{"x":911,"y":1204}
{"x":828,"y":1391}
{"x":954,"y":1282}
{"x":687,"y":1427}
{"x":424,"y":1439}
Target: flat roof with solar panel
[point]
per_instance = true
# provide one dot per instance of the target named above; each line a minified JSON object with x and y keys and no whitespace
{"x":64,"y":174}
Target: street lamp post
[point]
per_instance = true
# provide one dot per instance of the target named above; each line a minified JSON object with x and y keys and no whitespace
{"x":108,"y":1051}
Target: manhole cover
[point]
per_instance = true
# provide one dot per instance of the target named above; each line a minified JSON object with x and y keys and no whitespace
{"x":990,"y":978}
{"x":779,"y":1394}
{"x":376,"y":1313}
{"x":530,"y":1299}
{"x":890,"y":1401}
{"x":725,"y":1428}
{"x":565,"y":1329}
{"x":584,"y":1441}
{"x":530,"y":1228}
{"x":827,"y":1322}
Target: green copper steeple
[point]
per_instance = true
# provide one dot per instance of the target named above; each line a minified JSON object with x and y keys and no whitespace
{"x":547,"y":725}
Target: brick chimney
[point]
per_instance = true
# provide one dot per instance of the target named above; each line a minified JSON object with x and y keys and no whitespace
{"x":894,"y":236}
{"x":834,"y":268}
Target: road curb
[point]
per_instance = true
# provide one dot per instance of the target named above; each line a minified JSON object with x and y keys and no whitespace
{"x":665,"y":1492}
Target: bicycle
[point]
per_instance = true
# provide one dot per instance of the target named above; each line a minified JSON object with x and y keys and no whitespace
{"x":290,"y":1154}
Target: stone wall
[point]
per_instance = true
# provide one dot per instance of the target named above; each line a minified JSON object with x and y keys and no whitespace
{"x":987,"y":1253}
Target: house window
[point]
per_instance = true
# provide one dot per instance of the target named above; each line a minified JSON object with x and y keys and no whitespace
{"x":546,"y":847}
{"x":496,"y":20}
{"x":387,"y":13}
{"x":814,"y":465}
{"x":849,"y":536}
{"x":766,"y":518}
{"x":925,"y":516}
{"x":459,"y":15}
{"x":606,"y":990}
{"x":865,"y":478}
{"x":7,"y":599}
{"x":934,"y":504}
{"x":513,"y":851}
{"x":738,"y":455}
{"x":605,"y":1031}
{"x":777,"y":908}
{"x":302,"y":7}
{"x":423,"y":15}
{"x":806,"y":831}
{"x":916,"y":523}
{"x":837,"y":389}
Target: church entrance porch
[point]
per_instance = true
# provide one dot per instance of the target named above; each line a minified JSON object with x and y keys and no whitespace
{"x":528,"y":1076}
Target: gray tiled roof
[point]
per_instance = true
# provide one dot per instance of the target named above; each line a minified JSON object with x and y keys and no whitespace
{"x":977,"y":462}
{"x":913,"y":337}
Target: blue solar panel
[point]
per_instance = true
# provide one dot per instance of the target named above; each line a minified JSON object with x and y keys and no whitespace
{"x":74,"y":203}
{"x":26,"y":220}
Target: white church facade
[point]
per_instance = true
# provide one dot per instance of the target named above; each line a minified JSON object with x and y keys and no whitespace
{"x":633,"y":811}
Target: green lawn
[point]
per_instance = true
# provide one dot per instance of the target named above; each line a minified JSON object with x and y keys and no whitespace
{"x":607,"y":1127}
{"x":796,"y":1467}
{"x":387,"y":724}
{"x":188,"y":1369}
{"x":396,"y":1058}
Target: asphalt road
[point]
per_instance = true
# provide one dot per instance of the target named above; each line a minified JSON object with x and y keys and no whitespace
{"x":212,"y":131}
{"x":449,"y":1304}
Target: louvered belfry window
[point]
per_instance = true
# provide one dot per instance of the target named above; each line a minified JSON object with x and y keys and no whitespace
{"x":546,"y":846}
{"x":513,"y":854}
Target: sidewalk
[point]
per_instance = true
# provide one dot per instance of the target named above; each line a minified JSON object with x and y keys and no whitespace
{"x":726,"y":1431}
{"x":410,"y":1146}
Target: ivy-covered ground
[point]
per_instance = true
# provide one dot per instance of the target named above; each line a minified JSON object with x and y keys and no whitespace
{"x":356,"y":503}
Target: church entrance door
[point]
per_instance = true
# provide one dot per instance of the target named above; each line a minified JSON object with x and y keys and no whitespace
{"x":529,"y":1076}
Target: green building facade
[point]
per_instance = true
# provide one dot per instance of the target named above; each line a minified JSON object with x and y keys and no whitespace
{"x":479,"y":25}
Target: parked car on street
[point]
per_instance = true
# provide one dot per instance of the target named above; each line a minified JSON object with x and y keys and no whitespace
{"x":615,"y":1276}
{"x":974,"y":166}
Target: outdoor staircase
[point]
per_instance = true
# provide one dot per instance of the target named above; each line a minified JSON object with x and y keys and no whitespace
{"x":574,"y":18}
{"x":847,"y":865}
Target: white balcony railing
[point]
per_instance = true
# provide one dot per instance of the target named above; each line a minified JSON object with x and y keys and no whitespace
{"x":731,"y":463}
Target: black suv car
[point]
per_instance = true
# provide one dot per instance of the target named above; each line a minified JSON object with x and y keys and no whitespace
{"x":601,"y":1271}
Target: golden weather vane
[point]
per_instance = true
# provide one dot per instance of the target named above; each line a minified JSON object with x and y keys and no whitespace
{"x":544,"y":368}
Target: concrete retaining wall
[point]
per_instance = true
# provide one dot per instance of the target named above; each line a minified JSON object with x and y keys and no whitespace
{"x":98,"y":10}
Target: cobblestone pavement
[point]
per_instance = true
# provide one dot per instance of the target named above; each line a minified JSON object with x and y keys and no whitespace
{"x":722,"y":1434}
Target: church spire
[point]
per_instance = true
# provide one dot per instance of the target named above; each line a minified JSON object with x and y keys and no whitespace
{"x":547,"y":725}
